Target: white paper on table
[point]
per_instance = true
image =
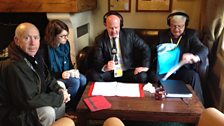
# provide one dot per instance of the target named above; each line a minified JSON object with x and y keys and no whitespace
{"x":174,"y":69}
{"x":104,"y":88}
{"x":128,"y":89}
{"x":116,"y":89}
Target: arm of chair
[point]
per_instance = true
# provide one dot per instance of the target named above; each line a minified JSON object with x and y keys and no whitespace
{"x":211,"y":117}
{"x":64,"y":121}
{"x":84,"y":59}
{"x":202,"y":69}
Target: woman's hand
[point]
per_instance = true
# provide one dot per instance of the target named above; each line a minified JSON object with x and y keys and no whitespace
{"x":65,"y":74}
{"x":74,"y":73}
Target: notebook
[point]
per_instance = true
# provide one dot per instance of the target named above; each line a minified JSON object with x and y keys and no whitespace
{"x":176,"y":88}
{"x":96,"y":103}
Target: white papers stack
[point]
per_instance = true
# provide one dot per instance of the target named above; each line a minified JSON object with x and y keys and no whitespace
{"x":174,"y":69}
{"x":116,"y":89}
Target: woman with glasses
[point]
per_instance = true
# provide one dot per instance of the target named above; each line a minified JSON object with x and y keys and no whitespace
{"x":191,"y":49}
{"x":59,"y":61}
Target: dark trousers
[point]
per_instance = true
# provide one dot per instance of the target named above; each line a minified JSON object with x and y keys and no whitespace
{"x":128,"y":76}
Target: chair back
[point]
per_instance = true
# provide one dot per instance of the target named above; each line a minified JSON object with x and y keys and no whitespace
{"x":113,"y":121}
{"x":64,"y":121}
{"x":211,"y":117}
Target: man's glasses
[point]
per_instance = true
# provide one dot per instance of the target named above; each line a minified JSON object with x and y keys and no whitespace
{"x":177,"y":26}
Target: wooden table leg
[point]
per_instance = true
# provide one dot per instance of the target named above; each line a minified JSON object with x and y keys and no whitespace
{"x":82,"y":120}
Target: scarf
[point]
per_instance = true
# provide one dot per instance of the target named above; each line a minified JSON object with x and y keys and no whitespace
{"x":59,"y":58}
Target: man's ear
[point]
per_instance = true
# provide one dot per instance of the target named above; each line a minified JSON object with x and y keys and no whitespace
{"x":16,"y":40}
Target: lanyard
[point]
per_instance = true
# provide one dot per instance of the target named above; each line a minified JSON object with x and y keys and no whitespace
{"x":177,"y":41}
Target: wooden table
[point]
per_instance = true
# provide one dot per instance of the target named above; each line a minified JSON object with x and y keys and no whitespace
{"x":187,"y":110}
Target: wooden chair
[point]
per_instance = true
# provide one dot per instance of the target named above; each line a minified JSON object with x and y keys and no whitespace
{"x":113,"y":121}
{"x":211,"y":117}
{"x":64,"y":121}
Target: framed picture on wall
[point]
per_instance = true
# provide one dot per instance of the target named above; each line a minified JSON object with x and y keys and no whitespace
{"x":153,"y":5}
{"x":119,"y":5}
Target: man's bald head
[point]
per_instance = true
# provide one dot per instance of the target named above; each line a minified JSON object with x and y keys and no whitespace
{"x":27,"y":37}
{"x":113,"y":25}
{"x":21,"y":28}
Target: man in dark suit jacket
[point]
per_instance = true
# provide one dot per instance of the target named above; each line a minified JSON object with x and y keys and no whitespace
{"x":191,"y":49}
{"x":127,"y":44}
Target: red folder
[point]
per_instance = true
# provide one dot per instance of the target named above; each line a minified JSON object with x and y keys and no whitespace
{"x":96,"y":103}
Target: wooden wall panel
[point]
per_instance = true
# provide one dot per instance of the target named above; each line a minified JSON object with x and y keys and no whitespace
{"x":83,"y":5}
{"x":46,"y":5}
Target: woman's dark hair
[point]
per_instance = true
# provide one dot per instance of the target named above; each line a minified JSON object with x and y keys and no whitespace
{"x":53,"y":28}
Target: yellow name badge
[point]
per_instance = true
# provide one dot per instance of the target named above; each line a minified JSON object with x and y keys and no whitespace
{"x":118,"y":71}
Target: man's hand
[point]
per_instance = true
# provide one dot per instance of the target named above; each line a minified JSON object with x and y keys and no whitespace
{"x":190,"y":58}
{"x":109,"y":66}
{"x":65,"y":94}
{"x":140,"y":69}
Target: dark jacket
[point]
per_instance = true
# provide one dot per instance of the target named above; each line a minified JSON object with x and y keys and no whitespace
{"x":189,"y":43}
{"x":130,"y":44}
{"x":21,"y":90}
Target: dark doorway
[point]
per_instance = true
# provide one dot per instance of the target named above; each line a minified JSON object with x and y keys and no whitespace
{"x":9,"y":21}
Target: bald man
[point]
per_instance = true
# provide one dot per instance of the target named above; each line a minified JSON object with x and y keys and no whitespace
{"x":29,"y":95}
{"x":124,"y":45}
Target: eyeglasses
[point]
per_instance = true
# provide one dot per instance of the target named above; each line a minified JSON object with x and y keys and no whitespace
{"x":63,"y":36}
{"x":177,"y":26}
